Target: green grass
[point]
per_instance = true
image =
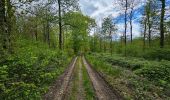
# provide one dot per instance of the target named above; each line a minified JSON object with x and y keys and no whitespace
{"x":126,"y":82}
{"x":88,"y":91}
{"x":156,"y":71}
{"x":88,"y":88}
{"x":73,"y":93}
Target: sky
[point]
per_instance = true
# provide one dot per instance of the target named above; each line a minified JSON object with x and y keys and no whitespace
{"x":99,"y":9}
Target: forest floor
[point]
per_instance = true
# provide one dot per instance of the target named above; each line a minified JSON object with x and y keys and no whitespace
{"x":81,"y":82}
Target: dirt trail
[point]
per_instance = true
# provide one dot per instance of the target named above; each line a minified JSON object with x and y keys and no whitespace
{"x":102,"y":89}
{"x":57,"y":92}
{"x":70,"y":86}
{"x":75,"y":90}
{"x":81,"y":89}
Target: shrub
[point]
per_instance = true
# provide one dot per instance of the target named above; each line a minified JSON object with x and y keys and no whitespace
{"x":159,"y":72}
{"x":158,"y":54}
{"x":28,"y":72}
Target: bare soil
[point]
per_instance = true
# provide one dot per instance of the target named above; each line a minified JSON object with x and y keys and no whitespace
{"x":59,"y":89}
{"x":102,"y":89}
{"x":62,"y":88}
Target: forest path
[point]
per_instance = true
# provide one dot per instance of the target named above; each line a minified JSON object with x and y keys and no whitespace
{"x":81,"y":82}
{"x":102,"y":89}
{"x":57,"y":92}
{"x":76,"y":90}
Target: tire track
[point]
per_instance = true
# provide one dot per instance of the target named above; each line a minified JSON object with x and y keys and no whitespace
{"x":81,"y":95}
{"x":102,"y":89}
{"x":58,"y":91}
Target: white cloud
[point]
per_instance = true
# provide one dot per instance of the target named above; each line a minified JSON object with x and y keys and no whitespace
{"x":99,"y":9}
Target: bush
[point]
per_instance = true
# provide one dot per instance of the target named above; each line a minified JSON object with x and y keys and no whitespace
{"x":130,"y":85}
{"x":158,"y":54}
{"x":158,"y":72}
{"x":30,"y":70}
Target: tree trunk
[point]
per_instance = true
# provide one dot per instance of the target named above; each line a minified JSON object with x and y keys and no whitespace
{"x":9,"y":26}
{"x":2,"y":24}
{"x":125,"y":25}
{"x":110,"y":35}
{"x":60,"y":26}
{"x":144,"y":34}
{"x":104,"y":45}
{"x":149,"y":35}
{"x":44,"y":32}
{"x":48,"y":33}
{"x":131,"y":27}
{"x":36,"y":32}
{"x":149,"y":23}
{"x":2,"y":29}
{"x":162,"y":24}
{"x":100,"y":44}
{"x":63,"y":37}
{"x":111,"y":46}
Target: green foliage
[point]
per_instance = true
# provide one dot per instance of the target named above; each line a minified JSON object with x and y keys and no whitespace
{"x":148,"y":80}
{"x":79,"y":25}
{"x":157,"y":54}
{"x":159,"y":72}
{"x":100,"y":66}
{"x":88,"y":88}
{"x":153,"y":70}
{"x":21,"y":91}
{"x":137,"y":49}
{"x":30,"y":70}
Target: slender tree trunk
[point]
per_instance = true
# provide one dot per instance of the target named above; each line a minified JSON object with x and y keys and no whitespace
{"x":149,"y":29}
{"x":60,"y":26}
{"x":63,"y":37}
{"x":44,"y":32}
{"x":125,"y":25}
{"x":9,"y":26}
{"x":144,"y":34}
{"x":110,"y":34}
{"x":2,"y":25}
{"x":162,"y":24}
{"x":131,"y":26}
{"x":100,"y":44}
{"x":104,"y":45}
{"x":36,"y":32}
{"x":48,"y":33}
{"x":111,"y":46}
{"x":149,"y":36}
{"x":149,"y":23}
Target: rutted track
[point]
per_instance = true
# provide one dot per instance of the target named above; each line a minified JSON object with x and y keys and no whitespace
{"x":57,"y":92}
{"x":62,"y":89}
{"x":102,"y":89}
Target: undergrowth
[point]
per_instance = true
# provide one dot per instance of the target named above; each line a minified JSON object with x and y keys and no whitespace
{"x":28,"y":72}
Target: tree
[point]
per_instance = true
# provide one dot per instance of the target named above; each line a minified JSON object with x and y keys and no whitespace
{"x":2,"y":25}
{"x":64,"y":5}
{"x":132,"y":5}
{"x":59,"y":24}
{"x":108,"y":28}
{"x":148,"y":14}
{"x":79,"y":24}
{"x":162,"y":24}
{"x":152,"y":17}
{"x":6,"y":15}
{"x":126,"y":9}
{"x":124,"y":4}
